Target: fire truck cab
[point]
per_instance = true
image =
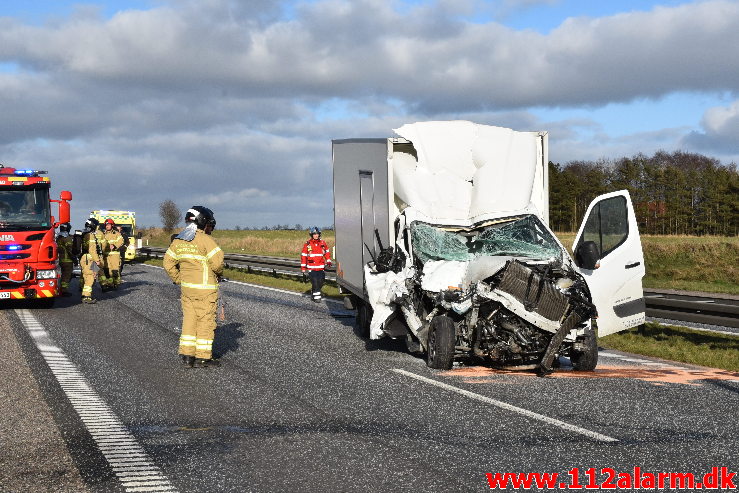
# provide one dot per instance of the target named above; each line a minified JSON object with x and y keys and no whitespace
{"x":29,"y":267}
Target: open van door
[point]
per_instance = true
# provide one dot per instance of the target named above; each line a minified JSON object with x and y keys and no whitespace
{"x":609,"y":256}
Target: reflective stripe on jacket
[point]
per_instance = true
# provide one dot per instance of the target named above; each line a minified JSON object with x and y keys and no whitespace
{"x":315,"y":255}
{"x":195,"y":265}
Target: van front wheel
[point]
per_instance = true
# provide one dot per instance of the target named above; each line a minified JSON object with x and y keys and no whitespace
{"x":441,"y":339}
{"x":586,"y":360}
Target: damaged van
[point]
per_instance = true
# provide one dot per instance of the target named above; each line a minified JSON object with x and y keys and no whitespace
{"x":442,"y":239}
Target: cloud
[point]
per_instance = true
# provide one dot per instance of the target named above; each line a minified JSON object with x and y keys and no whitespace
{"x":720,"y":130}
{"x":364,"y":47}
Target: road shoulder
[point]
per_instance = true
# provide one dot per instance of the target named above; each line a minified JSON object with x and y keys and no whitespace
{"x":34,"y":456}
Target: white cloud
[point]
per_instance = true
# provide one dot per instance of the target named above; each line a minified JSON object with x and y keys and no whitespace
{"x":365,"y":47}
{"x":720,"y":131}
{"x":238,"y":198}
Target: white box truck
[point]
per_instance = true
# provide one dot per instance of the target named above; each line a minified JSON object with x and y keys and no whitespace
{"x":442,"y":238}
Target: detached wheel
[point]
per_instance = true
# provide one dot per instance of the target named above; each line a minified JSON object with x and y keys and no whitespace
{"x":364,"y":317}
{"x":441,"y":339}
{"x":588,"y":359}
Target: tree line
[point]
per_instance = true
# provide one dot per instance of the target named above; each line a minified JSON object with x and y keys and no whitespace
{"x":673,"y":193}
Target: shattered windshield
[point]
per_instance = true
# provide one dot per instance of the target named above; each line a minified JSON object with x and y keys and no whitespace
{"x":24,"y":208}
{"x":522,"y":236}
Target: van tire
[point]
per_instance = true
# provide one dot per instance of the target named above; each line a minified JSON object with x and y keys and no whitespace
{"x":364,"y":318}
{"x":588,"y":359}
{"x":441,"y":339}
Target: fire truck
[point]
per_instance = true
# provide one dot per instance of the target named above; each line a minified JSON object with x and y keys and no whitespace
{"x":29,"y":267}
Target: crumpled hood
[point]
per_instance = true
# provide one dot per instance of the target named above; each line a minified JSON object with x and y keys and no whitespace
{"x":467,"y":172}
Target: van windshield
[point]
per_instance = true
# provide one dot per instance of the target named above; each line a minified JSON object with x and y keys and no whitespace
{"x":522,"y":236}
{"x":25,"y":208}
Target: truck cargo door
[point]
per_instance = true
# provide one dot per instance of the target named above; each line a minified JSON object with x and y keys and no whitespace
{"x":608,"y":254}
{"x":367,"y":204}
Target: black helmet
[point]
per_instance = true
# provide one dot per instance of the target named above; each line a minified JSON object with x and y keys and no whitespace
{"x":91,"y":224}
{"x":65,"y":227}
{"x":201,"y":216}
{"x":314,"y":230}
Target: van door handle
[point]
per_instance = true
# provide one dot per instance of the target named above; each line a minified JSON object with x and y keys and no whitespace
{"x":631,"y":266}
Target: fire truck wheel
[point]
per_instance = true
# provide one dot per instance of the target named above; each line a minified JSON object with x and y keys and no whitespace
{"x":45,"y":303}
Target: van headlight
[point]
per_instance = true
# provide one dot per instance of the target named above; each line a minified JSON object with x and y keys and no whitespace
{"x":46,"y":274}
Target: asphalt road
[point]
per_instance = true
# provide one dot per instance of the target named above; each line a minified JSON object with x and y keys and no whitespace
{"x":302,"y":403}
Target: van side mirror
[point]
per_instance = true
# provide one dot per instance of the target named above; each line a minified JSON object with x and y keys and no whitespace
{"x":587,"y":255}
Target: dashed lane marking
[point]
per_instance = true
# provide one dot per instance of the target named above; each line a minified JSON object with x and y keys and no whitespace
{"x":119,"y":447}
{"x":509,"y":407}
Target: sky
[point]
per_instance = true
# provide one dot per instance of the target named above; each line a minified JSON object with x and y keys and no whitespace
{"x":233,"y":104}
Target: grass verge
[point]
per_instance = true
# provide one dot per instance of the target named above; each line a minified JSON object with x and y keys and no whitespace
{"x":679,"y":344}
{"x":288,"y":283}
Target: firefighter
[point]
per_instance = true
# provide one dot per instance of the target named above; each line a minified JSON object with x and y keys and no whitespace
{"x":314,"y":259}
{"x":90,"y":259}
{"x":195,"y":262}
{"x":112,"y":260}
{"x":123,"y":248}
{"x":66,"y":257}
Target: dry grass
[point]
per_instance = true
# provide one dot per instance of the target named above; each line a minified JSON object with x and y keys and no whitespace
{"x":255,"y":242}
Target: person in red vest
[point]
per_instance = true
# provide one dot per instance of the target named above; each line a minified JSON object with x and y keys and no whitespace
{"x":314,"y":259}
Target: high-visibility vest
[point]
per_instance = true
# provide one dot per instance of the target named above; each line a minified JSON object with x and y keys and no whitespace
{"x":315,"y":255}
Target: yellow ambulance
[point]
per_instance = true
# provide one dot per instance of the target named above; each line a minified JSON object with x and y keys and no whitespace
{"x":125,"y":219}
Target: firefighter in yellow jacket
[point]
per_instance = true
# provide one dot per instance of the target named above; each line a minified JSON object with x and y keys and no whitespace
{"x":112,"y":257}
{"x":92,"y":250}
{"x":195,"y":262}
{"x":66,"y":259}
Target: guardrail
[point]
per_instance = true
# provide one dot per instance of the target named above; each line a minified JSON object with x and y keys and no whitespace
{"x":256,"y":263}
{"x":692,"y":307}
{"x":713,"y":310}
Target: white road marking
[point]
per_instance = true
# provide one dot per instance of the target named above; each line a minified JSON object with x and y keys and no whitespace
{"x":509,"y":407}
{"x":119,"y":447}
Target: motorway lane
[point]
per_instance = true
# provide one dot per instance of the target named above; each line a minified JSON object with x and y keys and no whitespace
{"x":303,"y":404}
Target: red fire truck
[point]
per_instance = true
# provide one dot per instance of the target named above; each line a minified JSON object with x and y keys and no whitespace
{"x":29,"y":267}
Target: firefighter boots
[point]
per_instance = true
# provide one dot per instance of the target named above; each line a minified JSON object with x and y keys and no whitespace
{"x":205,"y":363}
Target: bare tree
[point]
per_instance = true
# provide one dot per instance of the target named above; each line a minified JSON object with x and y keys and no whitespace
{"x":170,"y":214}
